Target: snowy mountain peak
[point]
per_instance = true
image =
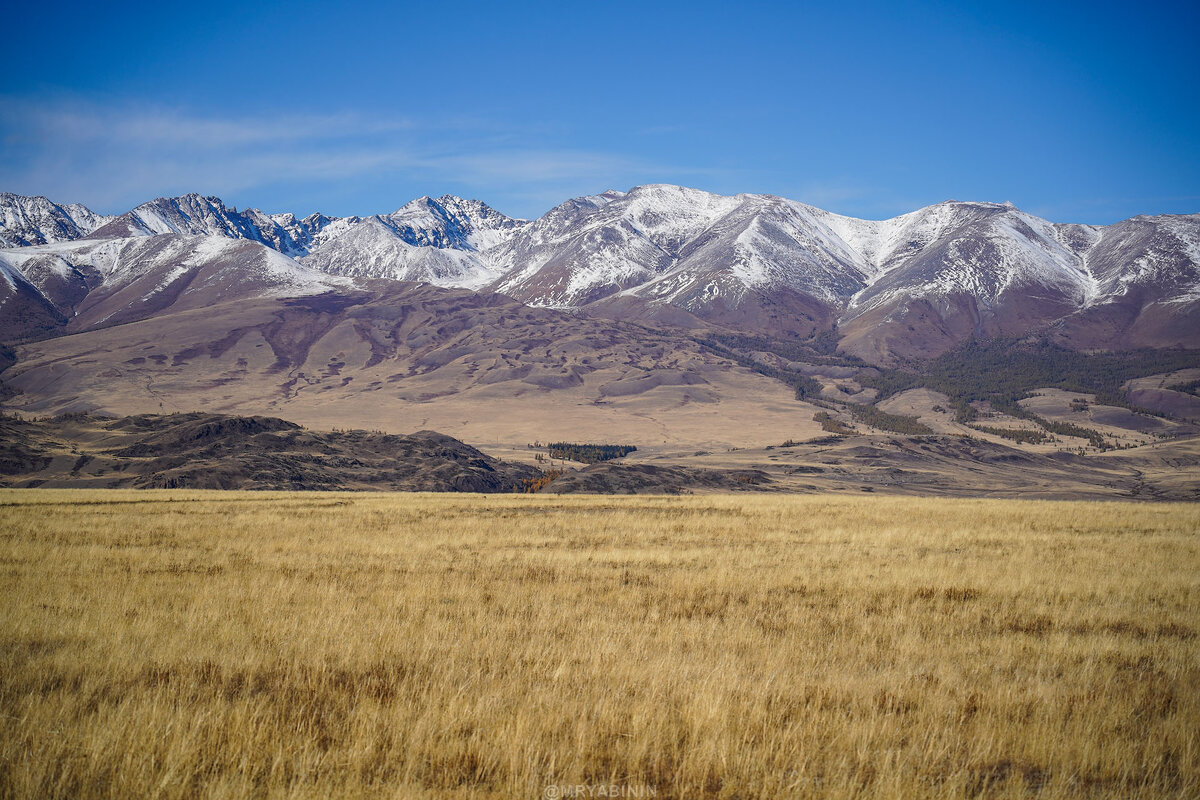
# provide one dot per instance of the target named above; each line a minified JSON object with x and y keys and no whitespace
{"x":601,"y":199}
{"x":198,"y":215}
{"x":451,"y":222}
{"x":675,"y":245}
{"x":190,"y":214}
{"x":36,"y":220}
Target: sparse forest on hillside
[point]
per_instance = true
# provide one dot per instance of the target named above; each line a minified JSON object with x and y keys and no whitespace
{"x":804,"y":386}
{"x":997,"y":372}
{"x":1188,"y":387}
{"x":893,"y":423}
{"x":1001,"y":371}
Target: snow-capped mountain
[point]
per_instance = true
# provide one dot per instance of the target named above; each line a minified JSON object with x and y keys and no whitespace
{"x":680,"y":246}
{"x":371,"y":249}
{"x":102,"y":282}
{"x":747,"y":257}
{"x":908,"y":286}
{"x":175,"y":253}
{"x":674,"y":245}
{"x":35,"y":220}
{"x":194,"y":215}
{"x":438,"y":241}
{"x":950,"y":271}
{"x":911,"y":285}
{"x":452,"y":222}
{"x":435,"y":241}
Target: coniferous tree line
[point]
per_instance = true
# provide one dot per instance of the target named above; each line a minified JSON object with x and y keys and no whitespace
{"x":1015,"y":409}
{"x":589,"y":453}
{"x":831,"y":425}
{"x":1188,"y":387}
{"x":1020,"y":435}
{"x":896,"y":423}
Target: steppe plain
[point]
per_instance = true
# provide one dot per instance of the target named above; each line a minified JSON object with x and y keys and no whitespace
{"x":199,"y":644}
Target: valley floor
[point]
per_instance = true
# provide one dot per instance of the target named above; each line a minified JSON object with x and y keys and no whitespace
{"x":192,"y":644}
{"x":214,"y":451}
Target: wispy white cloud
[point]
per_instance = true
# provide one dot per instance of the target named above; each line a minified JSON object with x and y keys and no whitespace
{"x":155,"y":126}
{"x":113,"y":158}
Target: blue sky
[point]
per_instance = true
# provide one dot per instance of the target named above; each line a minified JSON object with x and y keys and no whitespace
{"x":1077,"y":112}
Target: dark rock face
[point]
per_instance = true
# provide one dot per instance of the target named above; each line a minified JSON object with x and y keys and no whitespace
{"x":19,"y":452}
{"x":214,"y":451}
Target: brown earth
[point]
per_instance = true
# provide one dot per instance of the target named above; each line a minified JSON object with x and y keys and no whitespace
{"x":480,"y":367}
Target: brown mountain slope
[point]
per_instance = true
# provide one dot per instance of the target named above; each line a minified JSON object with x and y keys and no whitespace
{"x":24,"y":311}
{"x":102,"y":283}
{"x":407,"y":357}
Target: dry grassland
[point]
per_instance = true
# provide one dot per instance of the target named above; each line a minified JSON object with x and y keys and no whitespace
{"x":181,"y":645}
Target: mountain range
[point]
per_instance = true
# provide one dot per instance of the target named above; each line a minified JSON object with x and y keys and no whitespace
{"x":913,"y":286}
{"x":962,"y":348}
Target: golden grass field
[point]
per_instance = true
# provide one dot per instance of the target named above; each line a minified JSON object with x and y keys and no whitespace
{"x":188,"y":644}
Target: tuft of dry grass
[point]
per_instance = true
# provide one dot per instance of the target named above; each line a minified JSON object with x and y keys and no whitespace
{"x":186,"y":644}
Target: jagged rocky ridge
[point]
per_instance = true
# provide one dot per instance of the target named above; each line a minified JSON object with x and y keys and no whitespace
{"x":913,"y":285}
{"x":35,"y":220}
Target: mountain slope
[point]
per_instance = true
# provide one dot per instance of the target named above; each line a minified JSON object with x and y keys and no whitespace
{"x":748,"y":260}
{"x":437,"y":241}
{"x":94,"y":282}
{"x":914,"y":285}
{"x":405,"y":357}
{"x":24,"y":310}
{"x":955,"y":271}
{"x":1146,"y":274}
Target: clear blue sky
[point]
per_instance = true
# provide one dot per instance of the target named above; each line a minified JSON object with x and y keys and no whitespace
{"x":1085,"y":112}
